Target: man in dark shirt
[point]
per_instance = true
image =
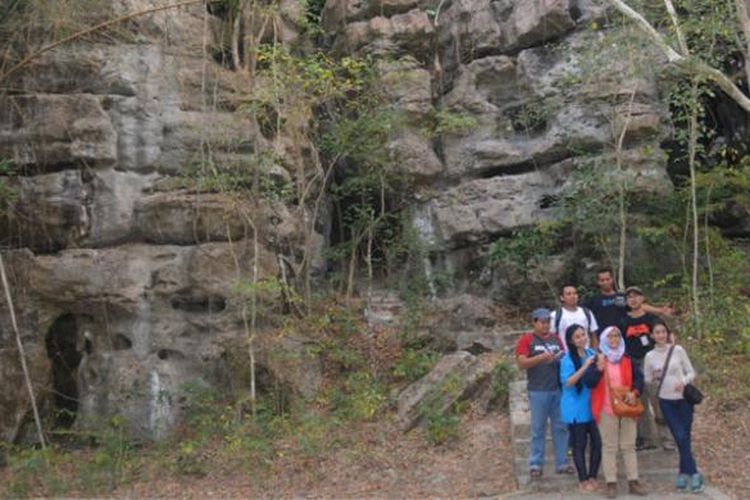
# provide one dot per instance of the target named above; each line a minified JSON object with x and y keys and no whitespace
{"x":636,"y":328}
{"x":538,"y":352}
{"x":610,"y":306}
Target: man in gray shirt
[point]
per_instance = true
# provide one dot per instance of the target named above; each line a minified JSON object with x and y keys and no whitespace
{"x":538,"y":352}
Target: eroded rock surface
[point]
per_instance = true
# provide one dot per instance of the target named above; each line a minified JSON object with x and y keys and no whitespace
{"x":115,"y":232}
{"x":125,"y":264}
{"x":541,"y":95}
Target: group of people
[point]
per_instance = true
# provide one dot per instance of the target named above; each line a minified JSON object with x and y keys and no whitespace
{"x":591,"y":370}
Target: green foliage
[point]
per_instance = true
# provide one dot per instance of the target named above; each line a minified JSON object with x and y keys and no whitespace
{"x":533,"y":116}
{"x":502,"y":375}
{"x":591,"y":206}
{"x":439,"y":122}
{"x":311,"y":19}
{"x":360,"y":398}
{"x":307,"y":80}
{"x":37,"y":472}
{"x":710,"y":29}
{"x":255,"y":175}
{"x":726,"y":186}
{"x":415,"y":363}
{"x":526,"y":247}
{"x":441,"y":426}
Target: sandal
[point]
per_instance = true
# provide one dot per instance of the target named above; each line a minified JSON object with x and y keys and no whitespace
{"x":566,"y":469}
{"x":535,"y":473}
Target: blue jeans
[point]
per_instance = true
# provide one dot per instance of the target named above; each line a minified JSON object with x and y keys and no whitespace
{"x":679,"y":416}
{"x":545,"y":405}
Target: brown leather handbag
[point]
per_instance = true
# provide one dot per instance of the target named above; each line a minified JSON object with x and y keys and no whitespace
{"x":619,"y":406}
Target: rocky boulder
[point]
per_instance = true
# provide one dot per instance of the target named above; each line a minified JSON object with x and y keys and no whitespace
{"x":455,"y":377}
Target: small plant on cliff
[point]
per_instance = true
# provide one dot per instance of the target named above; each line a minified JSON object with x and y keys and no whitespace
{"x":526,"y":247}
{"x":442,"y":121}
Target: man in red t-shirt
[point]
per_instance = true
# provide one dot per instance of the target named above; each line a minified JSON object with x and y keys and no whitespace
{"x":538,"y":352}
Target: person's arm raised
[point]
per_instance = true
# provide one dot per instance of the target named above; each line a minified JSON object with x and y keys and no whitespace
{"x":667,"y":310}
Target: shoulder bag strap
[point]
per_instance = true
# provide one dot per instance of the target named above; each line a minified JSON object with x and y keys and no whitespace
{"x":664,"y":370}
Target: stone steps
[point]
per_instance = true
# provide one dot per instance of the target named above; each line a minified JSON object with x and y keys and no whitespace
{"x":657,"y":468}
{"x":384,"y":308}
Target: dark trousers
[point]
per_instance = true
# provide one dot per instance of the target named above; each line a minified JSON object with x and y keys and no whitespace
{"x":581,"y":435}
{"x":679,"y":416}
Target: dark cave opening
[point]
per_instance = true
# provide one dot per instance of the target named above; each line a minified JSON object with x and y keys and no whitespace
{"x":62,"y":349}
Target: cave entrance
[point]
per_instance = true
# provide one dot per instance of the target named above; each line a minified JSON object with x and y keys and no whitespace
{"x":62,"y":349}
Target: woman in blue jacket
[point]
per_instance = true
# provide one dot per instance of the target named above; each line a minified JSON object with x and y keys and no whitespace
{"x":575,"y":406}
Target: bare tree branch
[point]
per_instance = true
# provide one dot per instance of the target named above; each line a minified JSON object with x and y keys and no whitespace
{"x":680,"y":37}
{"x":644,"y":25}
{"x":683,"y":61}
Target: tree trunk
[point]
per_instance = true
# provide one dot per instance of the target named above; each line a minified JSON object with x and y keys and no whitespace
{"x":693,"y":142}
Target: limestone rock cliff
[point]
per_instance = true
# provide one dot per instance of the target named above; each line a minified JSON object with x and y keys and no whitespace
{"x":119,"y":261}
{"x":137,"y":270}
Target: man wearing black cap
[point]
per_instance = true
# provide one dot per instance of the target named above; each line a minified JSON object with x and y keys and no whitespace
{"x":538,"y":352}
{"x":637,"y":326}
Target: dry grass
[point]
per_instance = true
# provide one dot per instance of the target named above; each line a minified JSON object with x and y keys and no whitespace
{"x":381,"y":462}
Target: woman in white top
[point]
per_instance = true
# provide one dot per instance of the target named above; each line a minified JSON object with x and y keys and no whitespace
{"x":677,"y":412}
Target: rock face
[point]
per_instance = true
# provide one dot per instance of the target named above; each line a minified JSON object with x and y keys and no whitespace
{"x":123,"y":269}
{"x":121,"y":264}
{"x":547,"y":96}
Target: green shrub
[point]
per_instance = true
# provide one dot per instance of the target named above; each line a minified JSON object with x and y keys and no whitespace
{"x":502,"y":375}
{"x":415,"y":364}
{"x":360,"y":398}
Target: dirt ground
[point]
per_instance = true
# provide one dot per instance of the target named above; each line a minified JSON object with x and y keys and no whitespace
{"x":721,"y":444}
{"x":383,"y":462}
{"x":386,"y":463}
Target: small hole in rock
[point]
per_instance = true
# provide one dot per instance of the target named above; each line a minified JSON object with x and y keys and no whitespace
{"x":169,"y":354}
{"x":199,"y":304}
{"x":122,"y":343}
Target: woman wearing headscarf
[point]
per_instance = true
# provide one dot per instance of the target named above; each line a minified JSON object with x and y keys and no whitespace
{"x":575,"y":406}
{"x":615,"y":369}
